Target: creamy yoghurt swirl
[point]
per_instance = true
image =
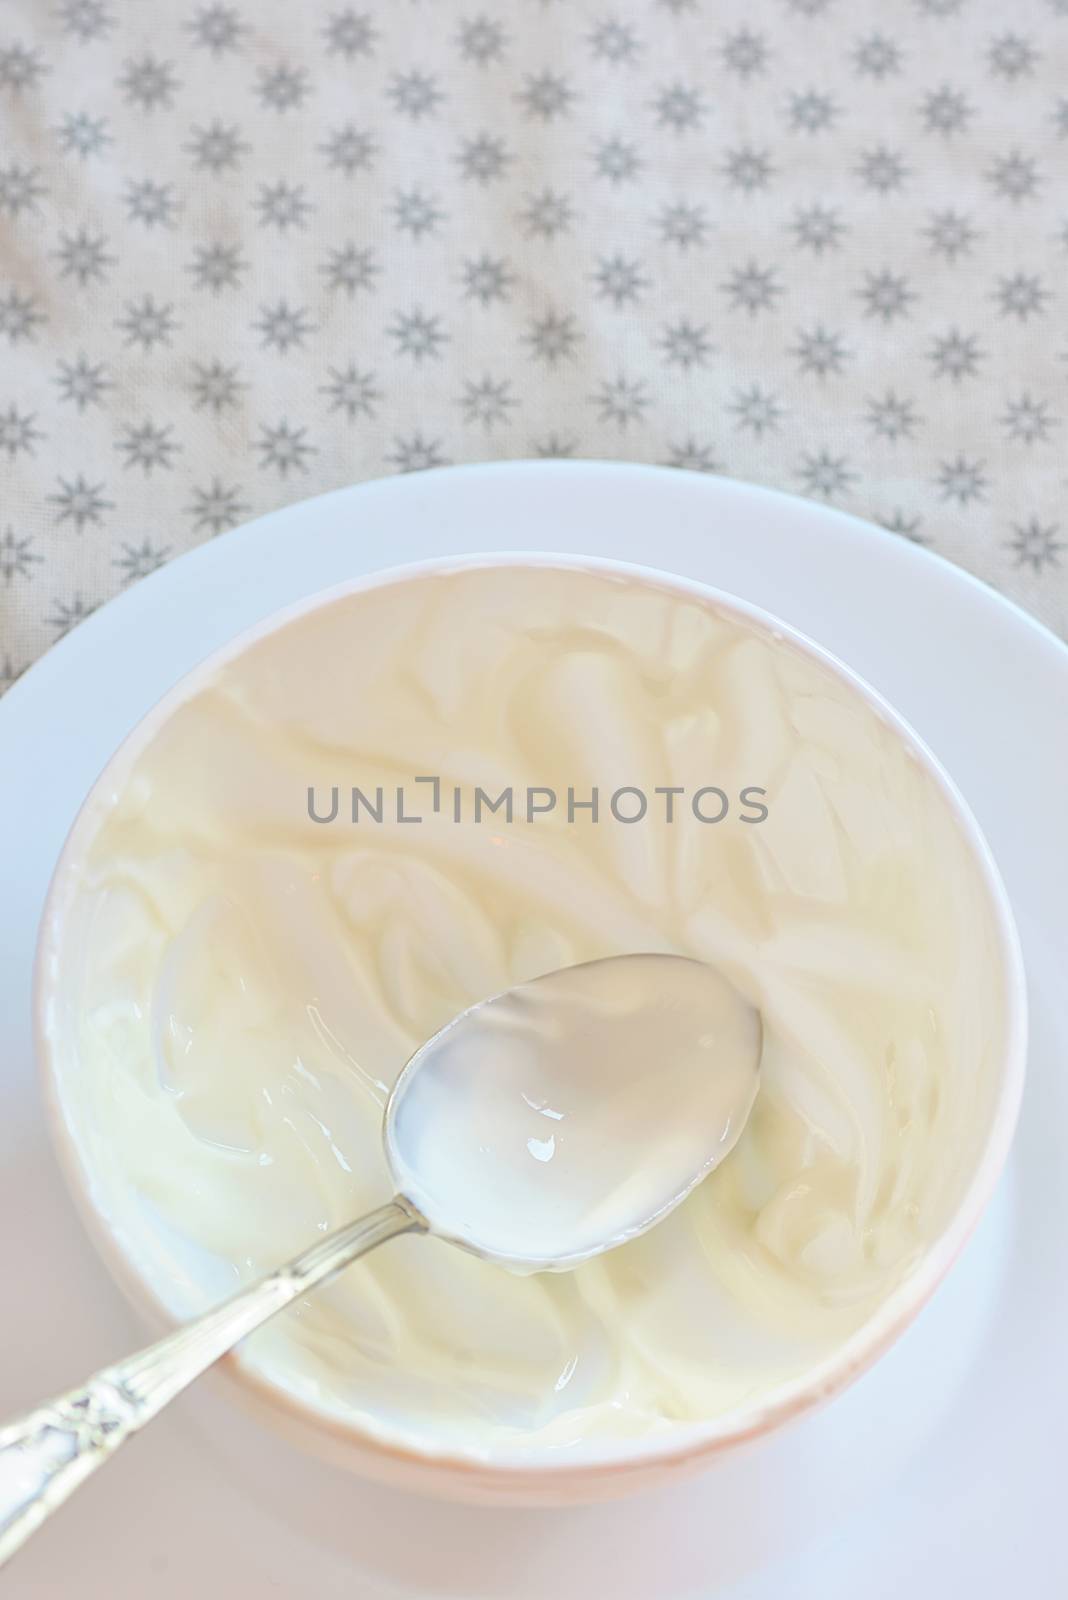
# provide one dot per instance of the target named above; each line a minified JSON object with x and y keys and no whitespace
{"x":250,"y":983}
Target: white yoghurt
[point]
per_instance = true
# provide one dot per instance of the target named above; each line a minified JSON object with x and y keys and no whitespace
{"x":238,"y":988}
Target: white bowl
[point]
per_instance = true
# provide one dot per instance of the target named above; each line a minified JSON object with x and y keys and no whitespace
{"x":596,"y":1469}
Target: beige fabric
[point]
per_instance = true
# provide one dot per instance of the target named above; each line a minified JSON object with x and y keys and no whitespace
{"x":254,"y":251}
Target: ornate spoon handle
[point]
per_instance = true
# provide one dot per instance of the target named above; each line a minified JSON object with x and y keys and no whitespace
{"x":45,"y":1456}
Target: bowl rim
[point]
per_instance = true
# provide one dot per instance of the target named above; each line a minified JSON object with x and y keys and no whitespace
{"x":683,"y":1442}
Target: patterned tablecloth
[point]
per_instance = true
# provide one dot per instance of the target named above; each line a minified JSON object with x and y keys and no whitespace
{"x":253,"y":251}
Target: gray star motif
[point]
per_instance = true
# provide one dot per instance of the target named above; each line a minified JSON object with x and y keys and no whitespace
{"x":148,"y":447}
{"x":215,"y":386}
{"x":685,"y":344}
{"x":886,"y":295}
{"x":415,"y":94}
{"x":350,"y":268}
{"x":282,"y":88}
{"x":950,"y":234}
{"x":350,"y":33}
{"x":546,"y":214}
{"x":481,"y":40}
{"x":416,"y":454}
{"x":81,"y":135}
{"x":9,"y":674}
{"x":282,"y":205}
{"x":487,"y":402}
{"x":753,"y":288}
{"x":284,"y":449}
{"x":1028,"y":421}
{"x":149,"y":83}
{"x":17,"y":556}
{"x":683,"y":225}
{"x":1011,"y":57}
{"x":617,"y":160}
{"x":1014,"y":177}
{"x":892,"y":418}
{"x":68,"y":614}
{"x":217,"y":507}
{"x":218,"y":147}
{"x":679,"y":108}
{"x":545,"y":95}
{"x":17,"y":432}
{"x":554,"y":447}
{"x":1021,"y":295}
{"x":147,"y":324}
{"x":415,"y":212}
{"x":217,"y":28}
{"x":20,"y":189}
{"x":487,"y":279}
{"x":825,"y":475}
{"x":876,"y":56}
{"x":19,"y":316}
{"x":820,"y":352}
{"x":138,"y":561}
{"x":956,"y":355}
{"x":621,"y":401}
{"x":84,"y":257}
{"x":904,"y":526}
{"x":80,"y":502}
{"x":417,"y":335}
{"x":354,"y":392}
{"x":811,"y":111}
{"x":152,"y":204}
{"x":946,"y":111}
{"x":747,"y":169}
{"x":745,"y":53}
{"x":615,"y":42}
{"x":619,"y":280}
{"x":85,"y":20}
{"x":882,"y":170}
{"x":962,"y":480}
{"x":350,"y":150}
{"x":553,"y":337}
{"x":81,"y":382}
{"x":817,"y":228}
{"x":483,"y":159}
{"x":609,"y":91}
{"x":1035,"y":544}
{"x":692,"y":457}
{"x":757,"y":411}
{"x":217,"y":267}
{"x":282,"y":326}
{"x":20,"y":68}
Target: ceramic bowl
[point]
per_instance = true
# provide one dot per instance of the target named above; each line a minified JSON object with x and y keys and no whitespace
{"x":595,"y":1469}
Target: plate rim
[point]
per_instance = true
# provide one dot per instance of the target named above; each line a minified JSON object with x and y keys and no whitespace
{"x":951,"y":1461}
{"x":903,"y":548}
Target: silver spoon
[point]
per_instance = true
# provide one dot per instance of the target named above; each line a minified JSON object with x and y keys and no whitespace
{"x":537,"y":1129}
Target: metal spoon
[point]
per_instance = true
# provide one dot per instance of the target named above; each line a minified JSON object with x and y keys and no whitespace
{"x":537,"y":1129}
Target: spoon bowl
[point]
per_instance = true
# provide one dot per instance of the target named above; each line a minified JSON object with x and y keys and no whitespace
{"x":558,"y":1120}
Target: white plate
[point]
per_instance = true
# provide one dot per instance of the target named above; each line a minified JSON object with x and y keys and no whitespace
{"x":939,"y":1472}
